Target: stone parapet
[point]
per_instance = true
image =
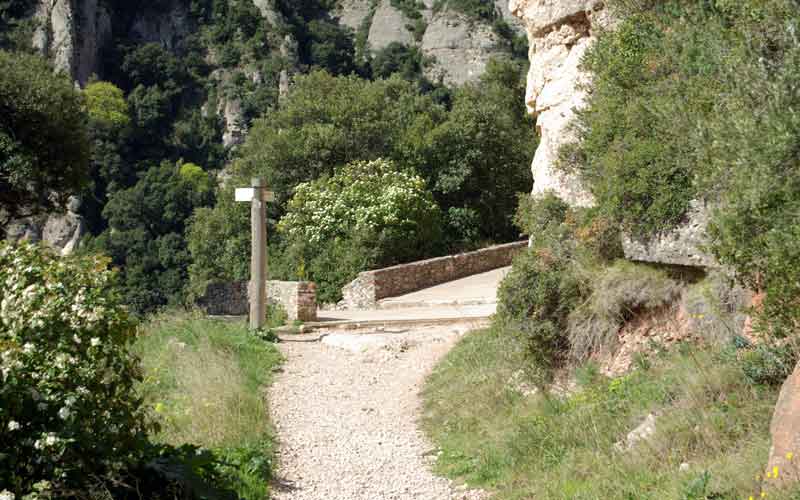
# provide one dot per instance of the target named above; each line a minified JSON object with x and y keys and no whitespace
{"x":298,"y":298}
{"x":371,"y":286}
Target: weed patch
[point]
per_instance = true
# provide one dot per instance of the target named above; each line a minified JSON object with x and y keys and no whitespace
{"x":204,"y":383}
{"x":709,"y":416}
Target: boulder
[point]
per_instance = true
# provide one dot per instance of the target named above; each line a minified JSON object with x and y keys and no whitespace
{"x":785,"y":429}
{"x":681,"y":246}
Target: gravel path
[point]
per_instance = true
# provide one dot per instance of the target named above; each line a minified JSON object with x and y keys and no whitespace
{"x":346,"y":411}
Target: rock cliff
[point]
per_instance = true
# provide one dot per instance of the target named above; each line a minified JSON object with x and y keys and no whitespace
{"x":458,"y":47}
{"x":559,"y":32}
{"x":72,"y":34}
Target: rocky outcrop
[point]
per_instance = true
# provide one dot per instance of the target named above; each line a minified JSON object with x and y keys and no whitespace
{"x":681,"y":246}
{"x":785,"y":428}
{"x":457,"y":47}
{"x":388,"y":26}
{"x":351,"y":13}
{"x":168,"y":26}
{"x":72,"y":33}
{"x":460,"y":48}
{"x":559,"y":32}
{"x":61,"y":231}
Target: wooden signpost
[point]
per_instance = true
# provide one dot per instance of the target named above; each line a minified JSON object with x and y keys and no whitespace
{"x":258,"y":196}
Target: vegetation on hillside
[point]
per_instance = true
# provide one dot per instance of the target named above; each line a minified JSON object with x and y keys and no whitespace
{"x":494,"y":431}
{"x":44,"y":142}
{"x":690,"y":100}
{"x":328,"y":122}
{"x":695,"y":100}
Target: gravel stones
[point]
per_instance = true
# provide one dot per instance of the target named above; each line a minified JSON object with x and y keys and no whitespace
{"x":346,"y":411}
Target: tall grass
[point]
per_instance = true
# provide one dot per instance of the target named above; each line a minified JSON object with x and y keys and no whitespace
{"x":204,"y":381}
{"x":711,"y":437}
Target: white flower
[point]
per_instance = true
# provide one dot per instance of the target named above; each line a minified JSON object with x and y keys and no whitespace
{"x":76,"y":339}
{"x":64,"y":413}
{"x":50,"y":439}
{"x":13,"y":425}
{"x":95,"y":341}
{"x":6,"y":495}
{"x":28,"y":348}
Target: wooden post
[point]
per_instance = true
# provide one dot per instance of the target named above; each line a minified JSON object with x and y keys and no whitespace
{"x":258,"y":256}
{"x":257,"y":195}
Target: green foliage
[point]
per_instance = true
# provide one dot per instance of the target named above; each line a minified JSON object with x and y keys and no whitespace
{"x":495,"y":434}
{"x":106,"y":106}
{"x":766,"y":364}
{"x":473,"y":159}
{"x":70,"y":414}
{"x":146,"y":233}
{"x":331,"y":47}
{"x":684,"y":94}
{"x":470,"y":168}
{"x":400,"y":59}
{"x":15,"y":27}
{"x":476,"y":9}
{"x":44,"y":146}
{"x":534,"y":304}
{"x":363,"y":198}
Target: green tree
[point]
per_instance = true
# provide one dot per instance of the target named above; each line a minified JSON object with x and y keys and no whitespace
{"x":147,"y":223}
{"x":478,"y":160}
{"x":44,"y":145}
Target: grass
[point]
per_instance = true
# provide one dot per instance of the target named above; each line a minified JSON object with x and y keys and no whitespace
{"x":205,"y":381}
{"x":492,"y":435}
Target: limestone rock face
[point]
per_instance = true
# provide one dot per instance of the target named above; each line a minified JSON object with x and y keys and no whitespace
{"x":72,"y":33}
{"x":168,"y":28}
{"x":61,"y":231}
{"x":680,"y":246}
{"x":559,"y":32}
{"x":785,"y":429}
{"x":351,"y":13}
{"x":388,"y":25}
{"x":461,"y":48}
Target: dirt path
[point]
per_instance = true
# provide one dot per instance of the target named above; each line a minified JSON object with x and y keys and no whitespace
{"x":346,"y":411}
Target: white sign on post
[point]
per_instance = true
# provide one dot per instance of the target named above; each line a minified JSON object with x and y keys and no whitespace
{"x":257,"y":195}
{"x":247,"y":194}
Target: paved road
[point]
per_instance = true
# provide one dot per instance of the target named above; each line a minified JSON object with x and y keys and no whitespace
{"x":473,"y":297}
{"x":476,"y":289}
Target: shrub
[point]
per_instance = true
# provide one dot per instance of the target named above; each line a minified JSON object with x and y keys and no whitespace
{"x":68,"y":409}
{"x":534,"y":303}
{"x":381,"y":214}
{"x":619,"y":293}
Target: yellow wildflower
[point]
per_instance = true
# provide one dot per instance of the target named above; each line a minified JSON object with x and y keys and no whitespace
{"x":789,"y":456}
{"x":775,"y":472}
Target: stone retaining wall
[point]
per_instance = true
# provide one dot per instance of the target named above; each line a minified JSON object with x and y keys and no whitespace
{"x":298,"y":298}
{"x":371,"y":286}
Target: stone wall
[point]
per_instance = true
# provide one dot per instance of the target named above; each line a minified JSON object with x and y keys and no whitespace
{"x":298,"y":299}
{"x":371,"y":286}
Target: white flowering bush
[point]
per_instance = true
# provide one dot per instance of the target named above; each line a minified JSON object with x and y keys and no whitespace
{"x":363,"y":197}
{"x":68,"y":410}
{"x":369,"y":213}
